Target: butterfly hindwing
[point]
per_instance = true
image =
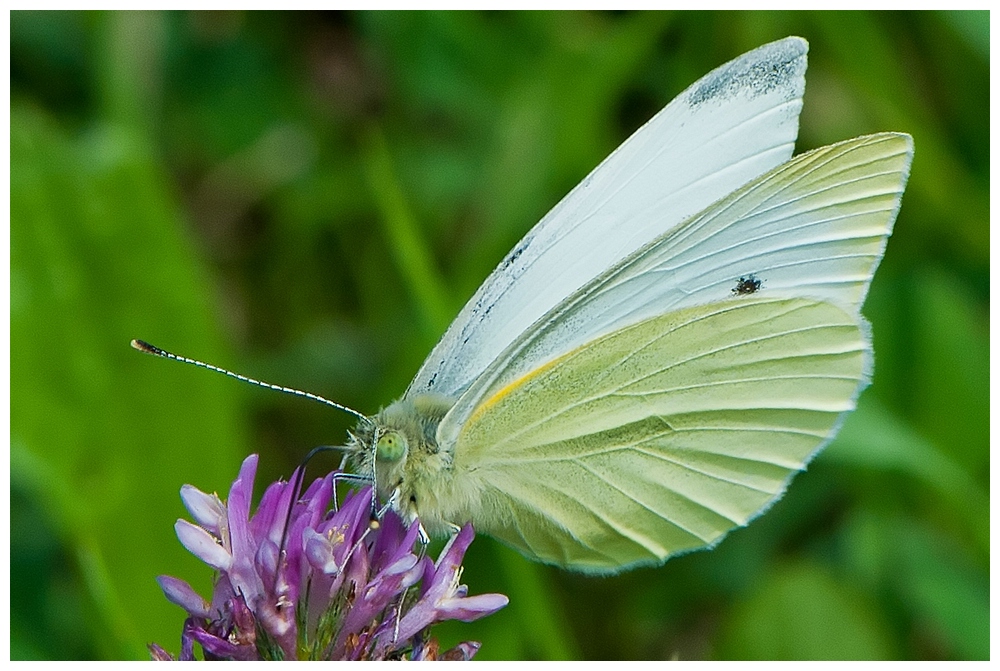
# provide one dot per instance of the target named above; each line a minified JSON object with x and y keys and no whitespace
{"x":662,"y":436}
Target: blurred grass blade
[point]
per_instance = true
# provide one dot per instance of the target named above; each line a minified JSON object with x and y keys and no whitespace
{"x":803,"y":612}
{"x":128,"y":52}
{"x":412,"y":256}
{"x":873,"y":438}
{"x":936,"y":582}
{"x":98,"y":433}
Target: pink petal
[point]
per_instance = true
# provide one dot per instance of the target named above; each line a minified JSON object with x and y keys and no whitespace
{"x":202,"y":545}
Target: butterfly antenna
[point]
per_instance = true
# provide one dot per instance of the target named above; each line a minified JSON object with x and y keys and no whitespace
{"x":144,"y":346}
{"x":299,"y":477}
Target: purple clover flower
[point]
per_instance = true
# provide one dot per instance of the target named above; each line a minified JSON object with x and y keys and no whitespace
{"x":344,"y":587}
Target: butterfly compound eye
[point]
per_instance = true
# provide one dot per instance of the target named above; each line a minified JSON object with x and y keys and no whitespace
{"x":391,"y":446}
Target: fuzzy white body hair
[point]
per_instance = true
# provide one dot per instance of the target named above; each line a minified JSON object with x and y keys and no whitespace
{"x":424,"y":483}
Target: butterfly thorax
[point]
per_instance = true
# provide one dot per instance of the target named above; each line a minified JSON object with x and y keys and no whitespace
{"x":399,"y":447}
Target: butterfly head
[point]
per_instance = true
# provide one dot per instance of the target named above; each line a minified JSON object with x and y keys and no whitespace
{"x":398,"y":449}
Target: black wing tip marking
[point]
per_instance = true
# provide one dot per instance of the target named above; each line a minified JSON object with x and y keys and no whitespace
{"x":780,"y":64}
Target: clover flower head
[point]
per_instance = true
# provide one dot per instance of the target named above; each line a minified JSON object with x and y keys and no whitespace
{"x":318,"y":582}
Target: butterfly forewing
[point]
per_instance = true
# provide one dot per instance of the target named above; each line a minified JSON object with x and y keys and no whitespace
{"x":734,"y":124}
{"x":664,"y":435}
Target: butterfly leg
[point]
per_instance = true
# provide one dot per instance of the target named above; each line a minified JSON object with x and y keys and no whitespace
{"x":346,"y":477}
{"x":391,"y":503}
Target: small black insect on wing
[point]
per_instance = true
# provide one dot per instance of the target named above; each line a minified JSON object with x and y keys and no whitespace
{"x":747,"y":285}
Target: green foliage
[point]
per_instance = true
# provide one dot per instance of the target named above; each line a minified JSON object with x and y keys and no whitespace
{"x":310,"y":198}
{"x":799,"y":611}
{"x":98,"y":252}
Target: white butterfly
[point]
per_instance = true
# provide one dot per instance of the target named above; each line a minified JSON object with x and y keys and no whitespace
{"x":667,"y":347}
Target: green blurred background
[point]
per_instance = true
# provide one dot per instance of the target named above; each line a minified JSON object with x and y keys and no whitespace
{"x":310,"y":198}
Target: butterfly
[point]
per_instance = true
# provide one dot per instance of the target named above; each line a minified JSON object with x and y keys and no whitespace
{"x":652,"y":363}
{"x":655,"y":360}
